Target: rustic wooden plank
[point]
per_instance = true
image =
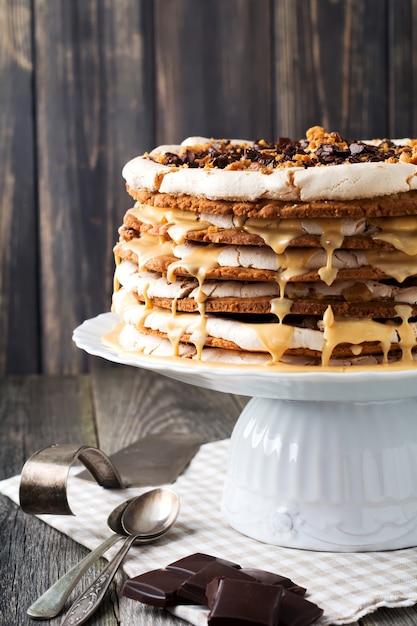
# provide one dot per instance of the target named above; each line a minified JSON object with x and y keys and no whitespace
{"x":213,"y":69}
{"x":330,"y":66}
{"x":131,"y":403}
{"x":402,"y":20}
{"x":391,"y":617}
{"x":94,"y":111}
{"x":35,"y":412}
{"x":19,"y":316}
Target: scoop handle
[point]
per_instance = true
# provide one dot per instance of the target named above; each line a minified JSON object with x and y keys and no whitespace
{"x":89,"y":601}
{"x":50,"y":603}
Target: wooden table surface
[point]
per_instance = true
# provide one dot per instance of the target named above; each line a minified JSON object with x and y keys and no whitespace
{"x":109,"y":408}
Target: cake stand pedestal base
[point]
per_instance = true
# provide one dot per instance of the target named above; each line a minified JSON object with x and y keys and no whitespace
{"x":319,"y":459}
{"x":332,"y":476}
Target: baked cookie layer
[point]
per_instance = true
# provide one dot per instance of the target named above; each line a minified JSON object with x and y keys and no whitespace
{"x":265,"y":252}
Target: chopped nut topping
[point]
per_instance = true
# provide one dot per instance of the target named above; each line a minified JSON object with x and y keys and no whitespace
{"x":318,"y":148}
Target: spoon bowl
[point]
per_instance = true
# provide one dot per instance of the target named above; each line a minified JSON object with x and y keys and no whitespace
{"x":150,"y":515}
{"x":146,"y":518}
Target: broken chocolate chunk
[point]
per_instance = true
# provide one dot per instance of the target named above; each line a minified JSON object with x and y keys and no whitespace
{"x":235,"y":595}
{"x":194,"y":587}
{"x":297,"y":611}
{"x":157,"y":587}
{"x":247,"y":603}
{"x":269,"y":578}
{"x":195,"y":562}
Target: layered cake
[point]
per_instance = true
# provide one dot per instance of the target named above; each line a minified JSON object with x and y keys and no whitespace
{"x":296,"y":251}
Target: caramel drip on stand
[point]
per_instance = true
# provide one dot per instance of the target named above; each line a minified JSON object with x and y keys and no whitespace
{"x":354,"y":331}
{"x":276,"y":338}
{"x":406,"y":332}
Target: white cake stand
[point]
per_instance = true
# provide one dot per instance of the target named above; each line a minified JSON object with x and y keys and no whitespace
{"x":318,"y":460}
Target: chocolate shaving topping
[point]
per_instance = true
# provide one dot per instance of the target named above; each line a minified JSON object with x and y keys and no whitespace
{"x":319,"y":148}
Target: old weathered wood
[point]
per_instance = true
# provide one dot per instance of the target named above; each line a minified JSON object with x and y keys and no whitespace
{"x":19,"y":315}
{"x":113,"y":407}
{"x":94,"y":110}
{"x":88,"y":84}
{"x":126,"y":409}
{"x":213,"y":69}
{"x":330,"y":66}
{"x":402,"y":20}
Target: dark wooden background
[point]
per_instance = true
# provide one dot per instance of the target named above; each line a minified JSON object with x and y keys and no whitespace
{"x":87,"y":84}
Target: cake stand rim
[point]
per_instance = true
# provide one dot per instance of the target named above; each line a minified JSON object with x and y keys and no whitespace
{"x":361,"y":385}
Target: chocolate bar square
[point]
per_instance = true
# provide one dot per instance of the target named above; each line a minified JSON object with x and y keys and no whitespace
{"x":247,"y":603}
{"x":157,"y":587}
{"x":194,"y":587}
{"x":195,"y":562}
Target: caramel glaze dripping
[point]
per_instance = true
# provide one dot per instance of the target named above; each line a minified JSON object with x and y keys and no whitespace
{"x":400,"y":232}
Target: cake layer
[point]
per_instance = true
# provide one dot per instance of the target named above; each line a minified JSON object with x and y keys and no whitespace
{"x":361,"y":233}
{"x":336,"y":338}
{"x":347,"y":298}
{"x":255,"y":252}
{"x":388,"y":205}
{"x":321,"y":167}
{"x":257,"y":263}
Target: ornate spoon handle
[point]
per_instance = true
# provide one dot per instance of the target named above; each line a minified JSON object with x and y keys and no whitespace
{"x":51,"y":602}
{"x":89,"y":601}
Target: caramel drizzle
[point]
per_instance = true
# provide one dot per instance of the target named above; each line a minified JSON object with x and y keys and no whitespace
{"x":178,"y":223}
{"x":277,"y":337}
{"x":358,"y":331}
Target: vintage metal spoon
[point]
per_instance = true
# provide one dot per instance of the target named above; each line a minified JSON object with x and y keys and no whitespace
{"x":50,"y":603}
{"x":145,"y":519}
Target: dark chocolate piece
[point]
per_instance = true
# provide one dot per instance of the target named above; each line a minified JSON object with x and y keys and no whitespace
{"x":157,"y":587}
{"x":195,"y":562}
{"x":297,"y":611}
{"x":211,"y":591}
{"x":194,"y":588}
{"x":247,"y":603}
{"x":299,"y":591}
{"x":263,"y":576}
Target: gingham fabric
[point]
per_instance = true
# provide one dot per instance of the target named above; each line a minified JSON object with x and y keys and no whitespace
{"x":346,"y":586}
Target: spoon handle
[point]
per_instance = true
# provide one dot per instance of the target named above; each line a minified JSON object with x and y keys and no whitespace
{"x":90,"y":599}
{"x":51,"y":602}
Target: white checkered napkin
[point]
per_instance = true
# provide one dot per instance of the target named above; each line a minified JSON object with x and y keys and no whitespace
{"x":347,"y":586}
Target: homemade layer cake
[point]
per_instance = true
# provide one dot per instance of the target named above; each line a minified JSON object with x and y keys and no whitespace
{"x":301,"y":252}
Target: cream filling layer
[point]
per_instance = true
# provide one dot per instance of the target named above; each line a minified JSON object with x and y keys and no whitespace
{"x":149,"y":285}
{"x":400,"y":232}
{"x":178,"y":223}
{"x":199,"y":259}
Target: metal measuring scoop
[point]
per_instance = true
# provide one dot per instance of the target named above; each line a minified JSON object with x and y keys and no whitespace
{"x":50,"y":603}
{"x":146,"y":519}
